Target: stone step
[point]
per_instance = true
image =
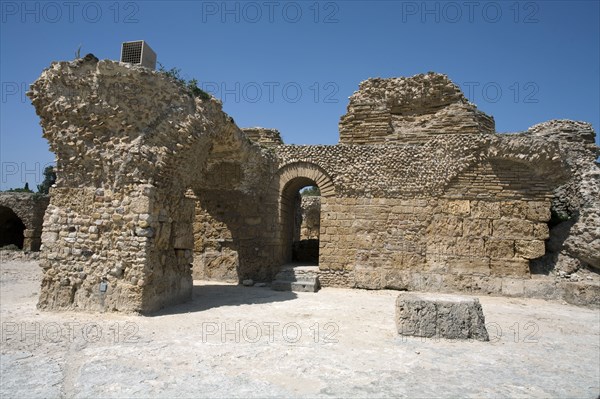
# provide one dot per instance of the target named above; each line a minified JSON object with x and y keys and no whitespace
{"x":295,"y":286}
{"x":291,"y":276}
{"x":298,"y":278}
{"x":298,"y":273}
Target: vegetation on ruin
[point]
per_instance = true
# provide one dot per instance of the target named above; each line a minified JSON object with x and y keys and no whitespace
{"x":49,"y":180}
{"x":25,"y":189}
{"x":191,"y":85}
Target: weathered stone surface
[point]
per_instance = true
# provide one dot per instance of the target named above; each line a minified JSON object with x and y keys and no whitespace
{"x":156,"y":186}
{"x":411,"y":109}
{"x":130,"y":144}
{"x":576,"y":204}
{"x":263,"y":136}
{"x":441,"y":316}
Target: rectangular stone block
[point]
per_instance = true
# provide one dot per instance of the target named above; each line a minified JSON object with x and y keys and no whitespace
{"x":510,"y":267}
{"x":499,"y":248}
{"x":369,"y":278}
{"x":541,"y":231}
{"x":476,"y":227}
{"x":445,"y":225}
{"x":439,"y":315}
{"x":538,"y":211}
{"x":469,"y":246}
{"x":530,"y":249}
{"x":485,"y":209}
{"x":512,"y":228}
{"x":513,"y":287}
{"x":140,"y":204}
{"x":514,"y":209}
{"x":49,"y":237}
{"x":456,"y":207}
{"x":479,"y":265}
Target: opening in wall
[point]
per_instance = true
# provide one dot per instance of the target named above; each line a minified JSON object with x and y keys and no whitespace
{"x":302,"y":218}
{"x":11,"y":228}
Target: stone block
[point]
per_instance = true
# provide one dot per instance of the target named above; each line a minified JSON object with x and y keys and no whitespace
{"x":530,"y":249}
{"x":514,"y":209}
{"x":510,"y":267}
{"x":476,"y":227}
{"x":457,"y":207}
{"x":541,"y":231}
{"x":540,"y":288}
{"x":469,"y":246}
{"x":49,"y":237}
{"x":140,"y":205}
{"x":498,"y":248}
{"x":443,"y":225}
{"x":485,"y":209}
{"x":369,"y":279}
{"x":512,"y":228}
{"x":469,"y":265}
{"x":440,"y":316}
{"x":577,"y":293}
{"x":538,"y":211}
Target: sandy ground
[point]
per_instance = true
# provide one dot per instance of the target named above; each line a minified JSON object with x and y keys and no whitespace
{"x":235,"y":341}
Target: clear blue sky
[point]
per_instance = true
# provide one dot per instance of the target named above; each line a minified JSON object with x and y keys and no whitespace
{"x":291,"y":65}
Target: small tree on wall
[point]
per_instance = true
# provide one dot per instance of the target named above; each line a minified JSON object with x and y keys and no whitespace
{"x":49,"y":180}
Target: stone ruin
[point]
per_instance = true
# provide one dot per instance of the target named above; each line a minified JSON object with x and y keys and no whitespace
{"x":156,"y":187}
{"x":21,"y":218}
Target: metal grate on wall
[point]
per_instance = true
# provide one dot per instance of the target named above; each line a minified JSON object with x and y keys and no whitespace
{"x":139,"y":53}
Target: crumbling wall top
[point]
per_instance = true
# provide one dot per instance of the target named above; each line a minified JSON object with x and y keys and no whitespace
{"x":263,"y":136}
{"x":410,"y":109}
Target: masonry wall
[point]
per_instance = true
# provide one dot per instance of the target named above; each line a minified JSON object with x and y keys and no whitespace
{"x":155,"y":187}
{"x":485,"y":220}
{"x":234,"y":237}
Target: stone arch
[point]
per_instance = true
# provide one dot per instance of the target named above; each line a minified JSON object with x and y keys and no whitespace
{"x":285,"y":187}
{"x":12,"y":228}
{"x":300,"y":174}
{"x":137,"y":198}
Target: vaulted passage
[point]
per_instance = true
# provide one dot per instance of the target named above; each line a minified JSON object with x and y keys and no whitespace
{"x":298,"y":242}
{"x":301,"y":242}
{"x":11,"y":228}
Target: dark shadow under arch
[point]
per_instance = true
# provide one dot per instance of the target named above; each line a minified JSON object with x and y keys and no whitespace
{"x":11,"y":228}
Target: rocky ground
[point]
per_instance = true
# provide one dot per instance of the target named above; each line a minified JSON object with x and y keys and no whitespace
{"x":235,"y":341}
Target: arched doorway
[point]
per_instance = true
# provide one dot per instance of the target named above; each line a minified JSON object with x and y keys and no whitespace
{"x":11,"y":228}
{"x":288,"y":183}
{"x":301,"y":208}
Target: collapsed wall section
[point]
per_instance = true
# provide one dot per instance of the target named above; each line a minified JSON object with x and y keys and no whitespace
{"x":410,"y":110}
{"x":133,"y":147}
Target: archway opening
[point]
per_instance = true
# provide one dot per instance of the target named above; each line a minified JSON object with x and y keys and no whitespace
{"x":301,"y":208}
{"x":11,"y":228}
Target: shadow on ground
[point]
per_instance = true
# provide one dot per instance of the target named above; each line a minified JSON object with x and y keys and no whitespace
{"x":206,"y":296}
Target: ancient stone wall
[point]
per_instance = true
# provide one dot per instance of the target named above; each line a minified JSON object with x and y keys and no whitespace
{"x":29,"y":208}
{"x":131,"y":144}
{"x":156,"y":187}
{"x":409,"y":109}
{"x":263,"y":136}
{"x":574,"y":244}
{"x":310,"y":217}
